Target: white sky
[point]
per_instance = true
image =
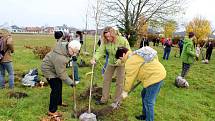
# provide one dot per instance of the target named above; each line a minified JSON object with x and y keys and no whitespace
{"x":73,"y":12}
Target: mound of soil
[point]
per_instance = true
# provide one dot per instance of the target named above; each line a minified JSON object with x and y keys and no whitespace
{"x":44,"y":84}
{"x":96,"y":93}
{"x":51,"y":118}
{"x":98,"y":112}
{"x":17,"y":95}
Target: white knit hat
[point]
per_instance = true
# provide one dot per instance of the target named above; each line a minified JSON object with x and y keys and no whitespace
{"x":74,"y":44}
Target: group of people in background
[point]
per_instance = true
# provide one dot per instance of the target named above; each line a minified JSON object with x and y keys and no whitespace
{"x":167,"y":44}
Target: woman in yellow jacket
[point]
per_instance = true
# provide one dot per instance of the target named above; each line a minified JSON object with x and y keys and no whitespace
{"x":143,"y":65}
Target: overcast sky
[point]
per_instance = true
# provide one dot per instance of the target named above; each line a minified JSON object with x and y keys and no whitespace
{"x":73,"y":12}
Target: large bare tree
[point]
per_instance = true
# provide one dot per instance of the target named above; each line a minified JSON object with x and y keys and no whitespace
{"x":127,"y":13}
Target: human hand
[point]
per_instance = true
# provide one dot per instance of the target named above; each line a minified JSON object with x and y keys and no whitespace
{"x":93,"y":61}
{"x":124,"y":94}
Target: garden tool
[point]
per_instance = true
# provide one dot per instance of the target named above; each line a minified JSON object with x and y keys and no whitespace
{"x":74,"y":92}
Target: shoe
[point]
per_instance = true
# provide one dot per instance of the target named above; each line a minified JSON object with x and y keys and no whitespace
{"x":64,"y":105}
{"x":99,"y":102}
{"x":55,"y":114}
{"x":140,"y":117}
{"x":76,"y":82}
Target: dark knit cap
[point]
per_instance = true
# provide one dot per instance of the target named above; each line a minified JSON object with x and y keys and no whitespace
{"x":58,"y":34}
{"x":191,"y":34}
{"x":79,"y":33}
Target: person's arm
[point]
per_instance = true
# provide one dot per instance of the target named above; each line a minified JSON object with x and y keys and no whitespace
{"x":131,"y":72}
{"x":60,"y":67}
{"x":10,"y":44}
{"x":100,"y":52}
{"x":189,"y":50}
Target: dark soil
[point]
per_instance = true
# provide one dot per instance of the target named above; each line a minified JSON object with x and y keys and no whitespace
{"x":51,"y":118}
{"x":98,"y":112}
{"x":96,"y":93}
{"x":17,"y":95}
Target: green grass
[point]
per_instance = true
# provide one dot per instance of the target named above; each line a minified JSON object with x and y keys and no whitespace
{"x":197,"y":103}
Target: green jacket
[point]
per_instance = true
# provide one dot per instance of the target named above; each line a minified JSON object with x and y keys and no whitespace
{"x":188,"y":52}
{"x":54,"y":64}
{"x":111,"y":49}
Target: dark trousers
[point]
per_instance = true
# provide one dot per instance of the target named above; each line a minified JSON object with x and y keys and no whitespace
{"x":208,"y":54}
{"x":181,"y":51}
{"x":56,"y":93}
{"x":185,"y":69}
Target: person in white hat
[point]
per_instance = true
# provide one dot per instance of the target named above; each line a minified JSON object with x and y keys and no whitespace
{"x":54,"y":69}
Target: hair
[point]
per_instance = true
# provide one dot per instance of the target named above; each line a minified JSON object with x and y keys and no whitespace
{"x":120,"y":51}
{"x":74,"y":44}
{"x":191,"y":34}
{"x":80,"y":34}
{"x":112,"y":33}
{"x":66,"y":36}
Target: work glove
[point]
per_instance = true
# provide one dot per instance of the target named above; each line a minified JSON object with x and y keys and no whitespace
{"x":124,"y":94}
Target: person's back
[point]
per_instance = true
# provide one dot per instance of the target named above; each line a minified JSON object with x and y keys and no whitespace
{"x":168,"y":43}
{"x":188,"y":52}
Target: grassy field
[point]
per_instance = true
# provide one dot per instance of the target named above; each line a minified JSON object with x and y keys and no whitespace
{"x":197,"y":103}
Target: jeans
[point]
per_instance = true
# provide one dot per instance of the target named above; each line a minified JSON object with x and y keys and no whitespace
{"x":166,"y":53}
{"x":75,"y":66}
{"x":148,"y":100}
{"x":8,"y":66}
{"x":56,"y":93}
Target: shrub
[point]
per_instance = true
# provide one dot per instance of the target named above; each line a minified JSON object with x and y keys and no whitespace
{"x":41,"y":51}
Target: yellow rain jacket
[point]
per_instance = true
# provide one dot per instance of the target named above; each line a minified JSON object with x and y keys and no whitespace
{"x":148,"y":73}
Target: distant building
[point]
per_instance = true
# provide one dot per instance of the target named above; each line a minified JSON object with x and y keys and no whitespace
{"x":33,"y":30}
{"x":64,"y":28}
{"x":92,"y":32}
{"x":48,"y":30}
{"x":15,"y":29}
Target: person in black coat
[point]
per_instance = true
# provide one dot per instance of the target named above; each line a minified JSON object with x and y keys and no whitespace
{"x":144,"y":42}
{"x":209,"y":50}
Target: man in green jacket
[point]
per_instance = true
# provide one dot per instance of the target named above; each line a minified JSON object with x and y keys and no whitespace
{"x":54,"y":69}
{"x":188,"y":54}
